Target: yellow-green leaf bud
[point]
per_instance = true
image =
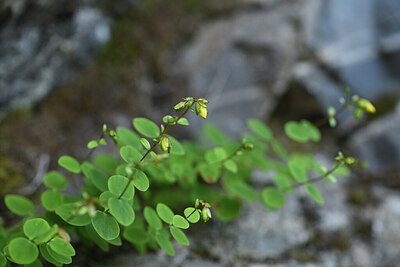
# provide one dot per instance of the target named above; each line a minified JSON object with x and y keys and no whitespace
{"x":203,"y":112}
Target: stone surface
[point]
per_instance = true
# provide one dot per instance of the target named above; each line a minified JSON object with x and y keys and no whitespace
{"x":44,"y":44}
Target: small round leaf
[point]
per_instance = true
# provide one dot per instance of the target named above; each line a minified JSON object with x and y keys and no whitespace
{"x":55,"y":180}
{"x":180,"y":222}
{"x":151,"y":217}
{"x":23,"y":251}
{"x":35,"y":227}
{"x":130,"y":154}
{"x":117,"y":184}
{"x":146,"y":127}
{"x":192,"y":215}
{"x":59,"y":246}
{"x":18,"y":204}
{"x":70,"y":164}
{"x":165,"y":213}
{"x":140,"y":181}
{"x":121,"y":210}
{"x":105,"y":225}
{"x":51,"y":200}
{"x":165,"y":244}
{"x":179,"y":235}
{"x":136,"y":235}
{"x":260,"y":129}
{"x":273,"y":198}
{"x":314,"y":194}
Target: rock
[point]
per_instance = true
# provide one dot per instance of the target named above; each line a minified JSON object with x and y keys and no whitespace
{"x":45,"y":45}
{"x":351,"y":46}
{"x":241,"y":64}
{"x":378,"y":143}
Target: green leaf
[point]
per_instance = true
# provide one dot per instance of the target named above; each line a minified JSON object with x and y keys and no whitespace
{"x":176,"y":147}
{"x":146,"y":127}
{"x":98,"y":178}
{"x":179,"y":235}
{"x":18,"y":205}
{"x":22,"y":251}
{"x":241,"y":189}
{"x":3,"y":260}
{"x":117,"y":184}
{"x":165,"y":243}
{"x":302,"y":131}
{"x":294,"y":131}
{"x":214,"y":134}
{"x":46,"y":255}
{"x":279,"y":149}
{"x":68,"y":212}
{"x":332,"y":122}
{"x":105,"y":225}
{"x":314,"y":194}
{"x":51,"y":200}
{"x":55,"y":180}
{"x":183,"y":121}
{"x":58,"y":257}
{"x":298,"y":169}
{"x":313,"y":132}
{"x":151,"y":217}
{"x":103,"y":142}
{"x":230,"y":165}
{"x":121,"y":210}
{"x":227,"y":208}
{"x":92,"y":144}
{"x":128,"y":137}
{"x":70,"y":164}
{"x":283,"y":183}
{"x":35,"y":227}
{"x":59,"y":246}
{"x":106,"y":162}
{"x":180,"y":222}
{"x":130,"y":154}
{"x":145,"y":143}
{"x":136,"y":235}
{"x":272,"y":198}
{"x":210,"y":173}
{"x":260,"y":129}
{"x":194,"y":215}
{"x":36,"y":263}
{"x":104,"y":197}
{"x":165,"y":213}
{"x":140,"y":181}
{"x":45,"y":237}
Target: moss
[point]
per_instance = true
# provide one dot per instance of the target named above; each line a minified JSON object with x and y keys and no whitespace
{"x":10,"y":177}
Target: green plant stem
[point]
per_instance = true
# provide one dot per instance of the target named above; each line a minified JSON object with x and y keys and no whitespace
{"x":167,"y":126}
{"x":314,"y":180}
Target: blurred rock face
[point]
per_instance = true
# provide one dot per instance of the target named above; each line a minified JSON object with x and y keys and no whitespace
{"x":44,"y":44}
{"x":243,"y":61}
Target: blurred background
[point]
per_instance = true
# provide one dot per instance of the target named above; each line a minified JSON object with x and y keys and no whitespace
{"x":68,"y":66}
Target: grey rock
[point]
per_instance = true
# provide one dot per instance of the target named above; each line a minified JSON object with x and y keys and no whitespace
{"x":241,"y":64}
{"x":36,"y":56}
{"x":378,"y":143}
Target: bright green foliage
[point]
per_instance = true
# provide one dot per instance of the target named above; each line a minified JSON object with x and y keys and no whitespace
{"x":272,"y":198}
{"x":146,"y":127}
{"x":152,"y":218}
{"x":121,"y":210}
{"x":117,"y":185}
{"x":314,"y":194}
{"x":192,"y":215}
{"x":55,"y":180}
{"x":302,"y":131}
{"x":180,"y":222}
{"x":164,"y":242}
{"x":179,"y":235}
{"x":35,"y":227}
{"x":60,"y":247}
{"x":165,"y":213}
{"x":260,"y":129}
{"x":70,"y":212}
{"x":131,"y":198}
{"x":130,"y":154}
{"x":22,"y":251}
{"x":70,"y":164}
{"x":105,"y":225}
{"x":18,"y":205}
{"x":140,"y":181}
